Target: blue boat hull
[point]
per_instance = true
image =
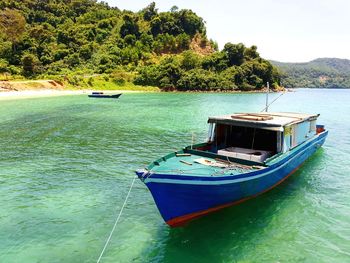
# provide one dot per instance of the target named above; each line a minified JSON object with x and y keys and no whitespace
{"x":182,"y":198}
{"x":114,"y":96}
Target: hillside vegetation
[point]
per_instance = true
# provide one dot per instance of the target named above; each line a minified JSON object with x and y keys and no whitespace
{"x":319,"y":73}
{"x":79,"y":41}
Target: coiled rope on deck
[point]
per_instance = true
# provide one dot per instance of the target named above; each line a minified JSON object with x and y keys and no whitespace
{"x":116,"y":221}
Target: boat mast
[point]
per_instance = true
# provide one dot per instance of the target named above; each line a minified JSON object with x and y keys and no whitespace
{"x":267,"y":97}
{"x":192,"y":142}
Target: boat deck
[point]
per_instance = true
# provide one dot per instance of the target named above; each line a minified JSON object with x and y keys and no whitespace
{"x":189,"y":165}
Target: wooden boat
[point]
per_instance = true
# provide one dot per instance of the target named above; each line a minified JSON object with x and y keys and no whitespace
{"x":246,"y":155}
{"x":102,"y":95}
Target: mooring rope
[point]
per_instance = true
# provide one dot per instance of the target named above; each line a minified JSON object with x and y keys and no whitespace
{"x":116,"y":221}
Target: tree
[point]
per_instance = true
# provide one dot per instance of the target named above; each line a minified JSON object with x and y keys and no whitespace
{"x":73,"y":60}
{"x":217,"y":61}
{"x":148,"y":75}
{"x":174,"y":9}
{"x":80,"y":7}
{"x":147,"y":41}
{"x":200,"y":79}
{"x":130,"y":26}
{"x":3,"y":65}
{"x":30,"y":64}
{"x":5,"y":49}
{"x":166,"y":23}
{"x":166,"y":49}
{"x":190,"y":22}
{"x":130,"y":39}
{"x":251,"y":53}
{"x":150,"y":11}
{"x":235,"y":53}
{"x":165,"y":43}
{"x":183,"y":41}
{"x":12,"y":23}
{"x":86,"y":51}
{"x":170,"y":68}
{"x":190,"y":60}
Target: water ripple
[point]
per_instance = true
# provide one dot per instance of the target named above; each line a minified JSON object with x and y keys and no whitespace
{"x":66,"y":164}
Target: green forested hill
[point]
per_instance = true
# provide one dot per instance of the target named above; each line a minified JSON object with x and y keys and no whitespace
{"x":69,"y":39}
{"x":318,"y":73}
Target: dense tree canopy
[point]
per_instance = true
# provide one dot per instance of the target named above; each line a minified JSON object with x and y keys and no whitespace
{"x":319,"y":73}
{"x":12,"y":23}
{"x":166,"y":49}
{"x":189,"y":71}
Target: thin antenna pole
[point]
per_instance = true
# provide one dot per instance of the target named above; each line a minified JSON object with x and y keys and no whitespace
{"x":192,"y":140}
{"x":267,"y":97}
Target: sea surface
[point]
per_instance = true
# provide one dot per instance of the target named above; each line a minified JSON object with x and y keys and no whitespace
{"x":66,"y":164}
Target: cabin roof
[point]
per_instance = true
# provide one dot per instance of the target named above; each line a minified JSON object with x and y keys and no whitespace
{"x":263,"y":120}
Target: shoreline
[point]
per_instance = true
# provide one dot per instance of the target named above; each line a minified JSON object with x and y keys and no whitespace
{"x":39,"y":93}
{"x":23,"y":94}
{"x":47,"y":88}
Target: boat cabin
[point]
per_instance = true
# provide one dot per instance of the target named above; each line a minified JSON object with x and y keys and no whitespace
{"x":240,"y":143}
{"x":258,"y":136}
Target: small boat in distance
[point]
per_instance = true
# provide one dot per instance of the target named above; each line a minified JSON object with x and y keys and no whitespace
{"x":245,"y":155}
{"x":102,"y":95}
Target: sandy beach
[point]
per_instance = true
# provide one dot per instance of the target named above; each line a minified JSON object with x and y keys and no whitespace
{"x":21,"y":89}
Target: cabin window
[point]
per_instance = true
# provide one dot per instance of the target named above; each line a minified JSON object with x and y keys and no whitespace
{"x":211,"y":132}
{"x":248,"y":138}
{"x":279,"y":141}
{"x":293,"y":137}
{"x":287,"y":140}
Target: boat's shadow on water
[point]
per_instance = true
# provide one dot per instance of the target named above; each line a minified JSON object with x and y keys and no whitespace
{"x":233,"y":233}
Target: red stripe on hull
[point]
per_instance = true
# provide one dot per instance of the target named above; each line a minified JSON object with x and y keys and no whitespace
{"x":183,"y":220}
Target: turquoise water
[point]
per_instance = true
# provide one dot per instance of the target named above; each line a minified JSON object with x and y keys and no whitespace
{"x":66,"y":164}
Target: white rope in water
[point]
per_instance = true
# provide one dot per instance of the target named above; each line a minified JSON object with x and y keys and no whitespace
{"x":116,"y":221}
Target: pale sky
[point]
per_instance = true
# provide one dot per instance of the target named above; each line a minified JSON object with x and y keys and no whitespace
{"x":284,"y":30}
